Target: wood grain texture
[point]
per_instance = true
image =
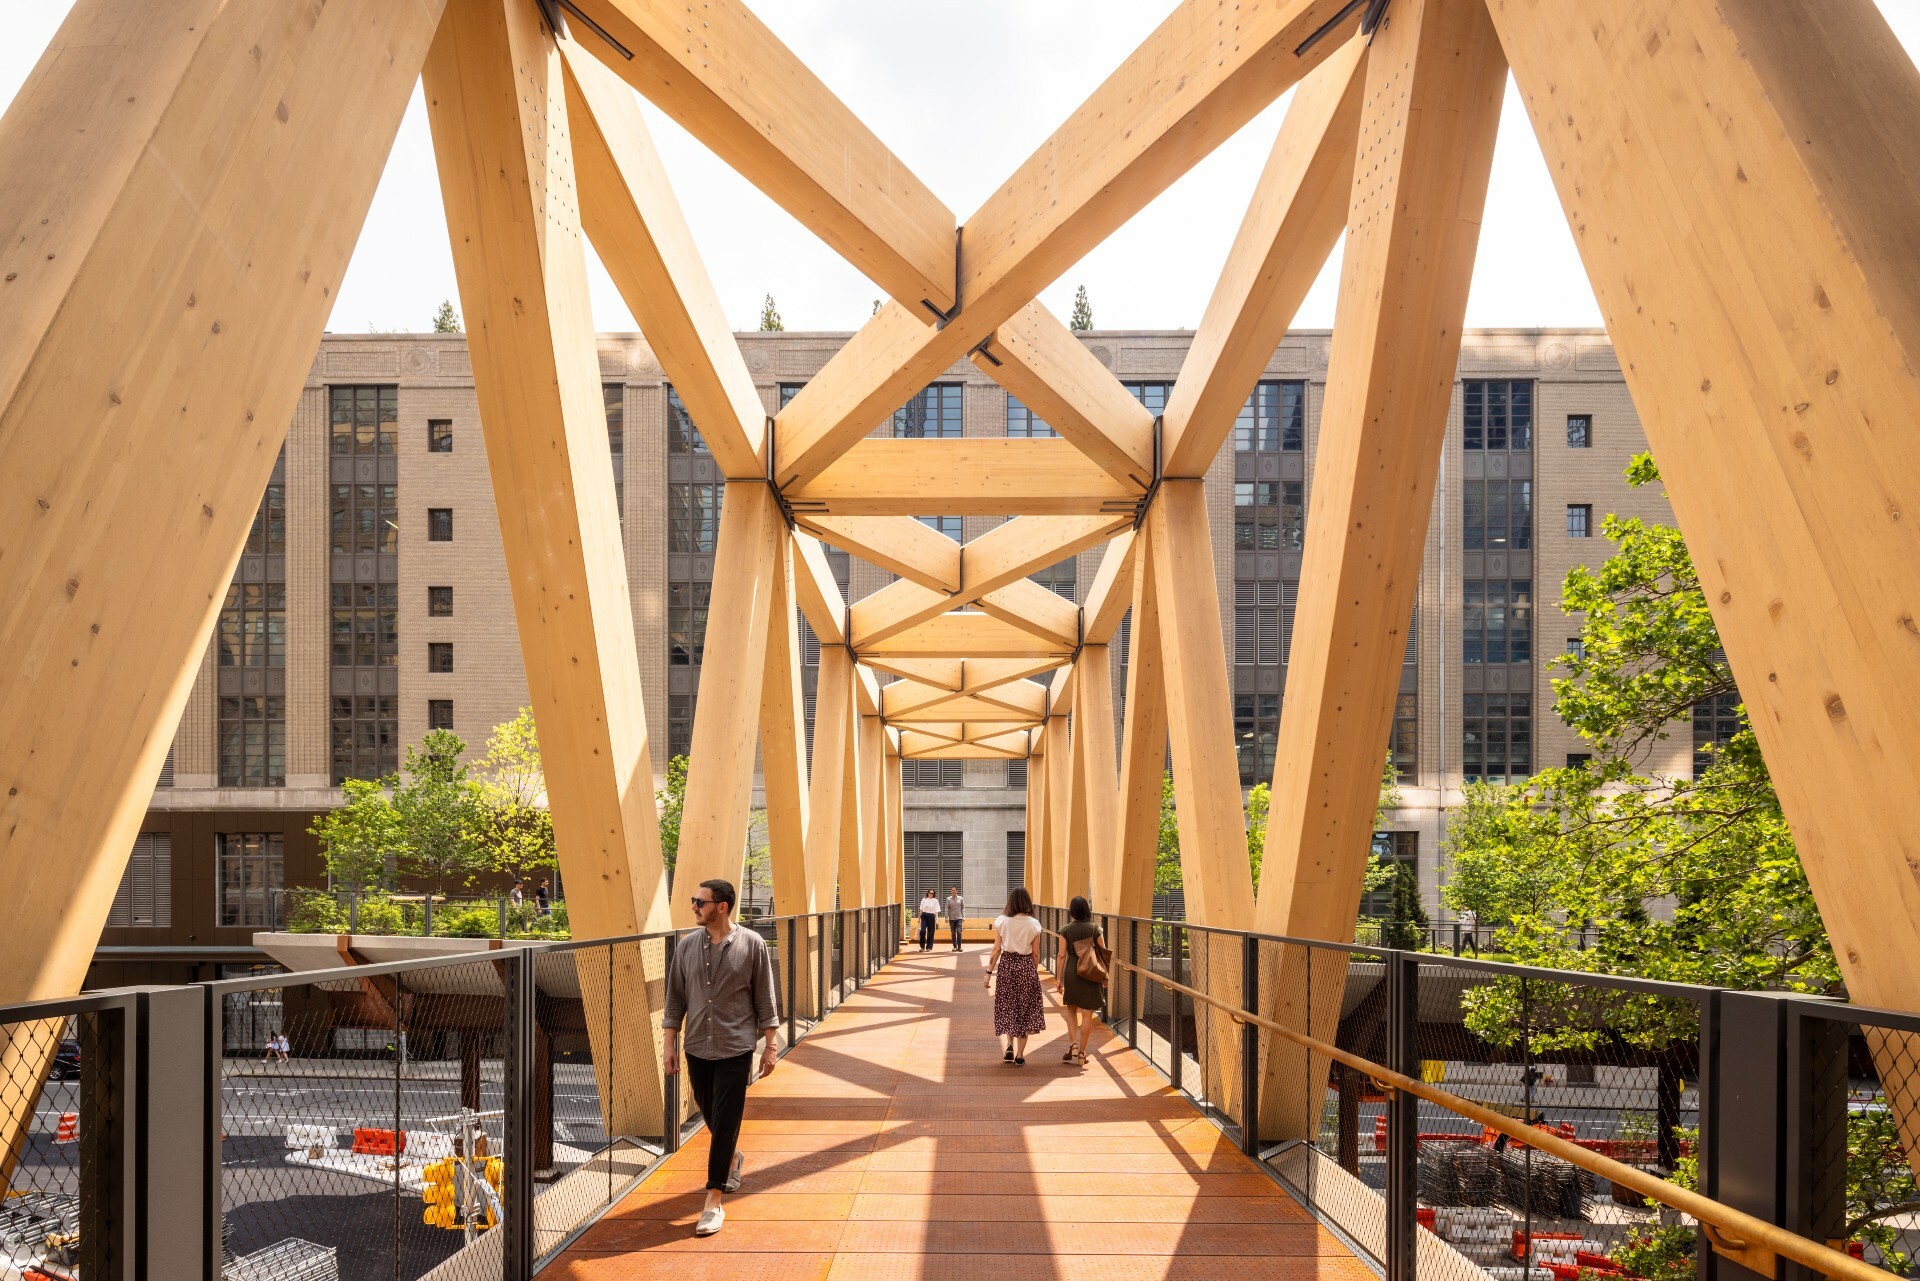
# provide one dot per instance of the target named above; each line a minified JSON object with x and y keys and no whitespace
{"x":833,"y":720}
{"x":1143,"y":749}
{"x":1041,"y":361}
{"x":910,"y":548}
{"x":964,"y":635}
{"x":1099,"y":773}
{"x":1740,"y":179}
{"x":783,"y":738}
{"x":973,"y":476}
{"x":159,"y":307}
{"x":497,"y":108}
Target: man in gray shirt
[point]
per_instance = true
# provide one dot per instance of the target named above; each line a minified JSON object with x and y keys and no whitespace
{"x":956,"y":914}
{"x":720,"y":996}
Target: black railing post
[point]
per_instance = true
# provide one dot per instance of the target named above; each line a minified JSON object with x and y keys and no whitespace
{"x":793,"y":988}
{"x":1403,"y":1118}
{"x":1133,"y":983}
{"x":670,"y":1085}
{"x":1175,"y":946}
{"x":1816,"y":1129}
{"x":1250,"y":1047}
{"x":1745,"y":1163}
{"x":820,"y":1010}
{"x":517,"y":1121}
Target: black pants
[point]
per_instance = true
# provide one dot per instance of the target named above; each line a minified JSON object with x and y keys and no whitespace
{"x":720,"y":1091}
{"x":955,"y":927}
{"x":926,"y":931}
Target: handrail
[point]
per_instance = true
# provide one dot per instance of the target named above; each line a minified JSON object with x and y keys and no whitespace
{"x":1752,"y":1242}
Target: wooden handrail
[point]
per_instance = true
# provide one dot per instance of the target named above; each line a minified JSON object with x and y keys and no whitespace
{"x":1752,"y":1242}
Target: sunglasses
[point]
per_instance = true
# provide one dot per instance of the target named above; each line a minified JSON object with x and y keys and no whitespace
{"x":699,"y":903}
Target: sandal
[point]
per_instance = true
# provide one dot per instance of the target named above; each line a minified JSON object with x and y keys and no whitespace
{"x":1068,"y":1056}
{"x":1009,"y":1055}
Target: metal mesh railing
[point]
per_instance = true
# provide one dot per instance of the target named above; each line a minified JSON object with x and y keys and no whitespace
{"x":59,"y":1127}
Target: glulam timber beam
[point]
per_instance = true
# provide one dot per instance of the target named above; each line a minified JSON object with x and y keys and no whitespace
{"x":833,"y":721}
{"x":783,"y":740}
{"x":963,"y":635}
{"x":630,"y":214}
{"x":944,"y":672}
{"x":1435,"y":80}
{"x":818,"y":591}
{"x":1111,"y":593}
{"x":1019,"y":696}
{"x":856,"y":812}
{"x":159,"y":308}
{"x":1205,"y":71}
{"x":493,"y":80}
{"x":1041,"y":361}
{"x":1143,"y":748}
{"x":1740,"y":180}
{"x":997,"y":559}
{"x":1033,"y":608}
{"x":729,"y":81}
{"x":719,"y":795}
{"x":973,"y":476}
{"x":940,"y":751}
{"x":873,"y":766}
{"x":1059,"y":767}
{"x":910,"y":548}
{"x":960,"y":709}
{"x":1298,"y":210}
{"x":1099,"y":781}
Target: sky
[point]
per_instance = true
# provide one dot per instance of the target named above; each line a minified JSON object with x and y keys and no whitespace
{"x":962,"y":91}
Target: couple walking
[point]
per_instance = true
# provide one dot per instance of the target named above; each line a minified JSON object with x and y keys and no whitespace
{"x":931,"y":910}
{"x":1018,"y":1009}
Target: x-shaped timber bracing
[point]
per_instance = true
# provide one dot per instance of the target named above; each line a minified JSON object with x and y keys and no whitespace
{"x":1723,"y":165}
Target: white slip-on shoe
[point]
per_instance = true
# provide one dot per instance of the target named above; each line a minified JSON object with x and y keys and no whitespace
{"x":733,"y":1175}
{"x":711,"y":1221}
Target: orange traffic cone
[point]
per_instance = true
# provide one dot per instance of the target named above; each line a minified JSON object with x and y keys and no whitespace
{"x":69,"y":1130}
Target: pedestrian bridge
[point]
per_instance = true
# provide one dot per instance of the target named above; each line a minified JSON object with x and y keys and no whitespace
{"x":894,"y":1142}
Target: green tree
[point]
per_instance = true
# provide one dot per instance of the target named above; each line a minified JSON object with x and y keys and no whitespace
{"x":1082,"y":319}
{"x":361,"y":842}
{"x":770,"y":317}
{"x":673,"y":801}
{"x":756,"y":864}
{"x":512,"y":825}
{"x":446,"y":320}
{"x":1166,"y":854}
{"x":1166,"y":863}
{"x":1406,"y":924}
{"x":1690,"y":879}
{"x":436,"y":805}
{"x":1259,"y":798}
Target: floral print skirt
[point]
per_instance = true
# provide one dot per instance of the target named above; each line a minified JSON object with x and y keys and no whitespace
{"x":1017,"y":1007}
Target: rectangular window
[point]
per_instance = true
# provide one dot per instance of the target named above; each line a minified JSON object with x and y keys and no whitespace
{"x":365,"y":736}
{"x":440,"y":656}
{"x":439,"y":524}
{"x":1016,"y":861}
{"x":1715,"y":720}
{"x":934,"y":414}
{"x":1256,"y":729}
{"x":687,"y":604}
{"x":1497,"y":515}
{"x":249,"y":875}
{"x":253,"y":625}
{"x":439,"y":713}
{"x":932,"y":773}
{"x":679,"y":724}
{"x":145,"y":897}
{"x":1273,"y":420}
{"x":1405,"y":743}
{"x":268,"y":537}
{"x":1152,"y":395}
{"x":788,"y":391}
{"x":682,"y":436}
{"x":365,"y":519}
{"x":1023,"y":422}
{"x":439,"y":435}
{"x":615,"y":397}
{"x":1497,"y":738}
{"x":1578,"y":760}
{"x":366,"y":420}
{"x":952,"y":526}
{"x":253,"y":740}
{"x":1579,"y":520}
{"x":1497,"y":621}
{"x":1498,"y":414}
{"x":440,"y":602}
{"x":1061,"y":578}
{"x":1579,"y":431}
{"x":366,"y":627}
{"x":934,"y":861}
{"x":1017,"y":774}
{"x":1395,"y":850}
{"x":1576,"y":647}
{"x":693,"y":516}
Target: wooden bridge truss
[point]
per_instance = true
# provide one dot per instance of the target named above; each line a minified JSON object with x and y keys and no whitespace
{"x":181,"y":187}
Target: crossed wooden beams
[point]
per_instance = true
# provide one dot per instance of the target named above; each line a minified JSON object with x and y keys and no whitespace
{"x":1723,"y":165}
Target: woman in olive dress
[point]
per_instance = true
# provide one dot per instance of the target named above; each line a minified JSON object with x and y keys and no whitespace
{"x":1081,"y":997}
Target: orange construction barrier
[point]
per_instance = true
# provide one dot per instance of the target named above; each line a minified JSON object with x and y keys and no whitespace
{"x":379,"y":1142}
{"x":69,"y":1131}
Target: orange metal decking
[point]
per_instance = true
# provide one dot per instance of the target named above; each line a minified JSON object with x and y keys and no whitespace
{"x":894,"y":1144}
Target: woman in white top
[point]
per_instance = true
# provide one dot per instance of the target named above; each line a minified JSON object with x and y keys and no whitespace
{"x":929,"y":913}
{"x":1018,"y":1011}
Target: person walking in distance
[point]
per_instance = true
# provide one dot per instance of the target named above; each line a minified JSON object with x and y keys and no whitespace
{"x":543,"y":895}
{"x":1018,"y":1011}
{"x":1081,"y":997}
{"x":956,"y":914}
{"x":720,"y":996}
{"x":929,"y":913}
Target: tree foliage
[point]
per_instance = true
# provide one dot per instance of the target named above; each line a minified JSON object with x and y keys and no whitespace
{"x":770,"y":317}
{"x":1082,"y":318}
{"x":361,"y":842}
{"x":512,"y":823}
{"x":673,"y":802}
{"x":446,"y":320}
{"x":1689,"y":879}
{"x":437,"y":808}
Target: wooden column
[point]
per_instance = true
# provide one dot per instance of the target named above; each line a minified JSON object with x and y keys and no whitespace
{"x":713,"y":832}
{"x":783,"y":741}
{"x":856,"y":813}
{"x":1741,"y":181}
{"x":1434,"y":84}
{"x":159,"y":309}
{"x":1144,"y":749}
{"x":497,"y":107}
{"x":1075,"y":875}
{"x":1053,"y":864}
{"x":1099,"y":774}
{"x":873,"y":767}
